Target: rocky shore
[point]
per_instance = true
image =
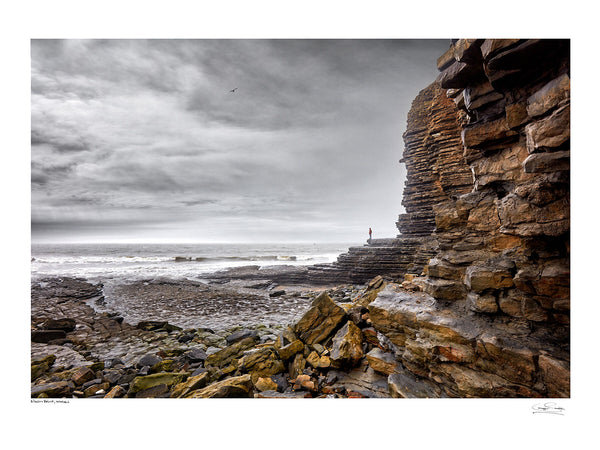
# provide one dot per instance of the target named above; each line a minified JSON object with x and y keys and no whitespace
{"x":472,"y":299}
{"x":331,"y":351}
{"x":379,"y":340}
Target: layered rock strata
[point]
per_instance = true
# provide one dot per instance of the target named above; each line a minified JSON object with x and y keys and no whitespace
{"x":436,"y":172}
{"x":504,"y":246}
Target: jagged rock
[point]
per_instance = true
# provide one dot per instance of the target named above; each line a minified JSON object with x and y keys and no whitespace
{"x":41,"y":365}
{"x":382,"y":362}
{"x":265,"y":384}
{"x":239,"y":335}
{"x":195,"y":355}
{"x":320,"y":321}
{"x":347,"y":346}
{"x":51,"y":390}
{"x":148,"y":360}
{"x":83,"y":375}
{"x":116,"y":392}
{"x":288,"y":351}
{"x":96,"y":389}
{"x":191,"y":384}
{"x":230,"y":354}
{"x":262,"y":362}
{"x":296,"y":367}
{"x":234,"y":387}
{"x":547,"y":162}
{"x":148,"y":381}
{"x":318,"y":362}
{"x":549,"y":96}
{"x":549,"y":132}
{"x":63,"y":324}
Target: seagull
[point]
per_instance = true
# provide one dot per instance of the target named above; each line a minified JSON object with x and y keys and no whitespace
{"x":233,"y":90}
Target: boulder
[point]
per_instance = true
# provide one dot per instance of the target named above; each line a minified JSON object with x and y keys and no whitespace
{"x":296,"y":367}
{"x":195,"y":355}
{"x":230,"y":354}
{"x":318,"y":362}
{"x":95,"y":389}
{"x":82,"y":375}
{"x":166,"y":365}
{"x":265,"y":384}
{"x":148,"y":360}
{"x":41,"y":365}
{"x":148,"y":381}
{"x":235,"y":387}
{"x":241,"y":334}
{"x":45,"y":336}
{"x":116,"y":392}
{"x":347,"y":346}
{"x":288,"y":351}
{"x":263,"y":362}
{"x":320,"y":321}
{"x":191,"y":384}
{"x":51,"y":390}
{"x":63,"y":324}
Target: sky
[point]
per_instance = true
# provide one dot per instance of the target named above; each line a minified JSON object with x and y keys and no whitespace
{"x":143,"y":140}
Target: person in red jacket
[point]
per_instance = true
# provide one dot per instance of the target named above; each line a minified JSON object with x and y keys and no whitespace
{"x":370,"y":233}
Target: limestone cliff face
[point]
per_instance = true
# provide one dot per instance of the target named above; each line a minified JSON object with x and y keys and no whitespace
{"x":504,"y":246}
{"x":494,"y":318}
{"x":487,"y":222}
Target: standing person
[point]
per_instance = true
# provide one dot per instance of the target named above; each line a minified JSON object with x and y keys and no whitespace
{"x":370,"y":233}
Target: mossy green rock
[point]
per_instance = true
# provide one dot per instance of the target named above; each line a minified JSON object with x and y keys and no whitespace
{"x":227,"y":355}
{"x":263,"y":362}
{"x":41,"y":365}
{"x":163,"y":366}
{"x":191,"y":384}
{"x":148,"y":381}
{"x":235,"y":387}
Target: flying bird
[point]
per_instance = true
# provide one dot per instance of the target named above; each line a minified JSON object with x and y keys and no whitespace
{"x":233,"y":90}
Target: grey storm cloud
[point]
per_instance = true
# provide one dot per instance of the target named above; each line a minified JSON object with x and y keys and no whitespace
{"x":144,"y":137}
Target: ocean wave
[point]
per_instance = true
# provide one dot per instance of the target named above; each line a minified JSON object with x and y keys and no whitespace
{"x":241,"y":258}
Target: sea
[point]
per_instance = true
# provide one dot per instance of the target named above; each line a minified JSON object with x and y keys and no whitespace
{"x":131,"y":262}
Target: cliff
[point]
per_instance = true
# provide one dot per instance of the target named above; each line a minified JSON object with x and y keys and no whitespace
{"x":436,"y":172}
{"x":486,"y":227}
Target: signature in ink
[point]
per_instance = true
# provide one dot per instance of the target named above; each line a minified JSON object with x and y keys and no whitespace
{"x":548,"y":408}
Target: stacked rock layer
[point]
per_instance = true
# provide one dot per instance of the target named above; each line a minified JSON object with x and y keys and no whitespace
{"x":504,"y":246}
{"x":436,"y":172}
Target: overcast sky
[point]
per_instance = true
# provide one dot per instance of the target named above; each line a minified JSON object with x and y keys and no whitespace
{"x":135,"y":140}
